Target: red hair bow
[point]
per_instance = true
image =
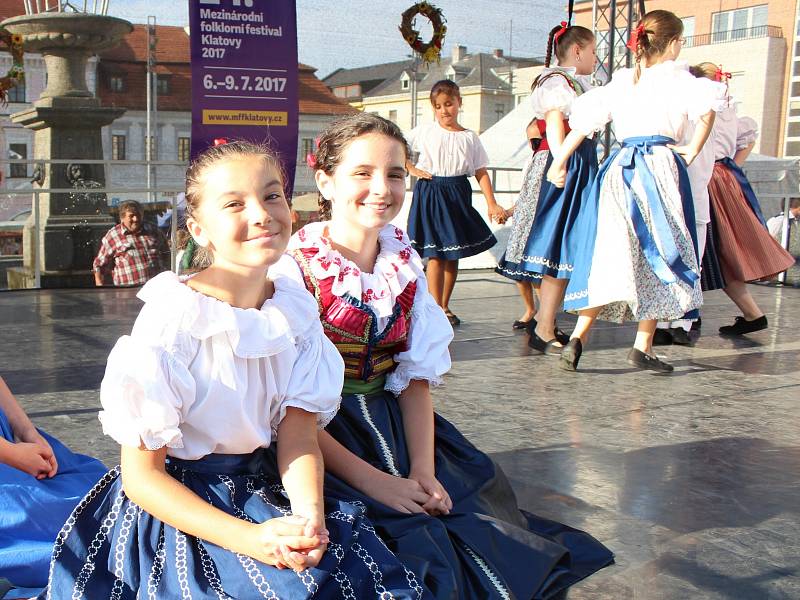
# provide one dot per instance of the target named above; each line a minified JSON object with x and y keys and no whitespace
{"x":721,"y":75}
{"x":220,"y":141}
{"x":635,"y":40}
{"x":560,"y":32}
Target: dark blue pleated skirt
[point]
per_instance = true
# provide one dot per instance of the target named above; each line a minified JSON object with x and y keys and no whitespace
{"x":564,"y":217}
{"x":516,"y":271}
{"x":442,"y":222}
{"x":111,"y":548}
{"x":486,"y":547}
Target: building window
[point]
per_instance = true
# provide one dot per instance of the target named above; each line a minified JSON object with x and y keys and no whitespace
{"x":17,"y":93}
{"x":117,"y":147}
{"x":116,"y":83}
{"x":733,"y":24}
{"x":18,"y":152}
{"x":499,"y":111}
{"x":793,"y":149}
{"x":404,"y":84}
{"x":340,"y":92}
{"x":794,"y":129}
{"x":162,"y":85}
{"x":393,"y":116}
{"x":307,"y":148}
{"x":184,"y":148}
{"x":150,"y":152}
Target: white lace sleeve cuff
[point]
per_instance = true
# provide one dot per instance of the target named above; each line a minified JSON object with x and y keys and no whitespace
{"x":427,"y":356}
{"x":316,"y":382}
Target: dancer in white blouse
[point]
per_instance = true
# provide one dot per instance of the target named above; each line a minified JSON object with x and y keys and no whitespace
{"x":218,"y":367}
{"x":643,"y":261}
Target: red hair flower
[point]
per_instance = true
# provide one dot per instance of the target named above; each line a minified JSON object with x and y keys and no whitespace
{"x":635,"y":40}
{"x":722,"y":76}
{"x":220,"y":141}
{"x":311,"y":160}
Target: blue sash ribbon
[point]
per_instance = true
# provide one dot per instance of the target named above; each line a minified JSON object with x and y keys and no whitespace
{"x":657,"y":241}
{"x":747,"y":189}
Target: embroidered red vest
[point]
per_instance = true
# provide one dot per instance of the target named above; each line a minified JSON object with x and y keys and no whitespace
{"x":352,"y":325}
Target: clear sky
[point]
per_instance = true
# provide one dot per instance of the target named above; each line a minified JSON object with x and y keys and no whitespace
{"x":355,"y":33}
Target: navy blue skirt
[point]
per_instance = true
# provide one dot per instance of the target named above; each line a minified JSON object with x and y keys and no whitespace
{"x":564,"y":217}
{"x":442,"y":222}
{"x":486,"y":547}
{"x":111,"y":548}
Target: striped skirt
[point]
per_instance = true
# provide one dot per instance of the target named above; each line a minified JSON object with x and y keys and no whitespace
{"x":741,"y":244}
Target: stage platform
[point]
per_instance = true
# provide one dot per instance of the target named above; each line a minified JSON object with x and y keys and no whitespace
{"x":693,"y":479}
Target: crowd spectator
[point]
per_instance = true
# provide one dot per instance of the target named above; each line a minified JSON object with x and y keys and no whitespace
{"x":132,"y":251}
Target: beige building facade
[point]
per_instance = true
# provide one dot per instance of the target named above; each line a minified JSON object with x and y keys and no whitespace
{"x":756,"y":42}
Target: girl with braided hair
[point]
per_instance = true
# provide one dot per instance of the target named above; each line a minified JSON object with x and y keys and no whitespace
{"x":642,"y":263}
{"x":443,"y":507}
{"x":548,"y":221}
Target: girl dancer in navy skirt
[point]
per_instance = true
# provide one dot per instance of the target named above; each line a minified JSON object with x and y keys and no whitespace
{"x":441,"y":505}
{"x":562,"y":217}
{"x":36,"y":471}
{"x":642,"y":265}
{"x":217,"y":368}
{"x":740,"y":247}
{"x":442,"y":224}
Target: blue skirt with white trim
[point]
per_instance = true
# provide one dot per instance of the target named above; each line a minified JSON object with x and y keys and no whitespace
{"x":111,"y":548}
{"x":486,"y":547}
{"x":442,"y":222}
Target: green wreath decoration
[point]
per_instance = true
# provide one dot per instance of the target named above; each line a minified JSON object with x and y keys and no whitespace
{"x":431,"y":50}
{"x":16,"y":74}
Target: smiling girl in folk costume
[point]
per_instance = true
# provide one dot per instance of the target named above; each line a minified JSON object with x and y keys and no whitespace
{"x":218,"y":367}
{"x":642,"y":265}
{"x":559,"y":217}
{"x":740,"y":248}
{"x":442,"y":224}
{"x":443,"y":507}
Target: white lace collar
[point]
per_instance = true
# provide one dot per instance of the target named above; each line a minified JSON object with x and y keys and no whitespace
{"x":396,"y":266}
{"x":252,"y":333}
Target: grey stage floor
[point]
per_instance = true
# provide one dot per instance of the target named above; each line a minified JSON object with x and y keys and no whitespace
{"x":692,"y":479}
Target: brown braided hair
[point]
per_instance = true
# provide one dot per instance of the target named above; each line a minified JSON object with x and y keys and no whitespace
{"x":337,"y":137}
{"x":656,"y":31}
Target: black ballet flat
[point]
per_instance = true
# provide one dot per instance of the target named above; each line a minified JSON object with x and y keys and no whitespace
{"x":680,"y":337}
{"x":523,"y":324}
{"x":697,"y":324}
{"x":548,"y":348}
{"x":571,"y":354}
{"x":643,"y":361}
{"x":662,"y":337}
{"x":741,"y":326}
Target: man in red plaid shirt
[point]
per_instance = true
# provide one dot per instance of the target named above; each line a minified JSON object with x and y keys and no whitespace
{"x":133,"y":251}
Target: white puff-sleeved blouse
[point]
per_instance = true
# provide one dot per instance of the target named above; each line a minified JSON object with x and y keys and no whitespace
{"x":447,"y":153}
{"x":555,"y":93}
{"x":662,"y":102}
{"x":199,"y":376}
{"x":732,"y":133}
{"x":427,"y":356}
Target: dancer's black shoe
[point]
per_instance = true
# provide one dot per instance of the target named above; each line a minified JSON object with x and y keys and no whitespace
{"x":571,"y":354}
{"x":680,"y":337}
{"x":640,"y":360}
{"x":539,"y":344}
{"x":662,"y":337}
{"x":742,"y":325}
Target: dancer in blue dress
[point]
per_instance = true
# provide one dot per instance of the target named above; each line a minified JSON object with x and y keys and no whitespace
{"x":442,"y":506}
{"x":442,"y":224}
{"x":642,"y":265}
{"x":561,"y":217}
{"x":219,"y":366}
{"x":41,"y":481}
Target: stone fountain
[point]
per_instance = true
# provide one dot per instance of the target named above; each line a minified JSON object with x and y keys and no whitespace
{"x":67,"y":120}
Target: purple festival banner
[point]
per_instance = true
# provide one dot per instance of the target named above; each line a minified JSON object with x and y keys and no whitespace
{"x":244,"y":74}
